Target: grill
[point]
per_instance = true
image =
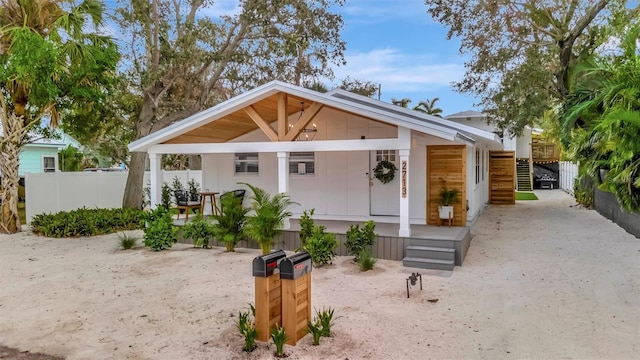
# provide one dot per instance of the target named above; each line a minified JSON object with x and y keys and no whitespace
{"x":547,"y":181}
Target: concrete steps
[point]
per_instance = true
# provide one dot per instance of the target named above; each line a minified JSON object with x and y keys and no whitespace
{"x":433,"y":264}
{"x":430,"y":254}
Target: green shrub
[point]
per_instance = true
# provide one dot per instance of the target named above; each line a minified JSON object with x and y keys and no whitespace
{"x":306,"y":226}
{"x":127,"y":242}
{"x":366,"y":261}
{"x":247,"y":328}
{"x":199,"y":230}
{"x":230,"y":224}
{"x":320,"y":246}
{"x":359,"y":239}
{"x":159,"y":231}
{"x":166,"y":196}
{"x":279,"y":337}
{"x":194,"y":190}
{"x":176,"y":184}
{"x":86,"y":222}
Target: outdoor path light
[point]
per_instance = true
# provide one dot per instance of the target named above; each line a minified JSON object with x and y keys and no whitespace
{"x":413,"y":279}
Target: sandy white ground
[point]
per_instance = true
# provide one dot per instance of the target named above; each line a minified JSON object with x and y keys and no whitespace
{"x":542,"y":279}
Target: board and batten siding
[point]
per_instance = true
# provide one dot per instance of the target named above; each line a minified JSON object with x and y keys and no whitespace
{"x":340,"y":185}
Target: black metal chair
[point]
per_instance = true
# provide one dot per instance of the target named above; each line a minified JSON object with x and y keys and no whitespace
{"x":237,"y":193}
{"x":183,"y":202}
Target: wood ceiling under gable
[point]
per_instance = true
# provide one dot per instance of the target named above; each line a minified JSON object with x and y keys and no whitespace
{"x":239,"y":123}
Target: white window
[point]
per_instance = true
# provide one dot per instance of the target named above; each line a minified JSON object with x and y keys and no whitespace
{"x":302,"y":163}
{"x":246,"y":163}
{"x":49,"y":164}
{"x":477,"y":166}
{"x":389,"y":155}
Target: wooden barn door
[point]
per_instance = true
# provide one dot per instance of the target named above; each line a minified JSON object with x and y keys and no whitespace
{"x":502,"y":165}
{"x":447,"y":164}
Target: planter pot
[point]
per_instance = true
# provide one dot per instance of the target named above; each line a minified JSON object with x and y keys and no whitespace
{"x":446,"y":211}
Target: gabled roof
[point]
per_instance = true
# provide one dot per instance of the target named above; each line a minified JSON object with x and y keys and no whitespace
{"x":462,"y":129}
{"x":228,"y":120}
{"x":466,"y":114}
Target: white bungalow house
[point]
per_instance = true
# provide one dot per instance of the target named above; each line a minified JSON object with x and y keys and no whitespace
{"x":321,"y":149}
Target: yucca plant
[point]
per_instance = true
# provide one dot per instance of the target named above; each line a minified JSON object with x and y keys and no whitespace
{"x":315,"y":328}
{"x":325,"y":318}
{"x":279,"y":337}
{"x":247,"y":328}
{"x":266,"y":223}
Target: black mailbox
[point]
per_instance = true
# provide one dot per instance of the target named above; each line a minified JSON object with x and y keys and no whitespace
{"x":295,"y":266}
{"x":265,"y":265}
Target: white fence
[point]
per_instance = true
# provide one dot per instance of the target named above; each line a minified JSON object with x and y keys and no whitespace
{"x":63,"y":191}
{"x":568,"y":174}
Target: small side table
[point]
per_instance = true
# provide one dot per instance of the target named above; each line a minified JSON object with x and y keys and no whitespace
{"x":212,"y":197}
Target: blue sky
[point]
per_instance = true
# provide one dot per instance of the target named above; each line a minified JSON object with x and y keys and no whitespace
{"x":396,"y":43}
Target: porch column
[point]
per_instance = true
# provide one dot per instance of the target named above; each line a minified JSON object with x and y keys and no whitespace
{"x":155,"y":178}
{"x":405,"y":228}
{"x":283,"y":179}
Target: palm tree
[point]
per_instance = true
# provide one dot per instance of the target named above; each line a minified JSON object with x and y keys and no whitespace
{"x":404,"y":102}
{"x":429,"y":107}
{"x":266,"y":223}
{"x":49,"y":59}
{"x":601,"y":121}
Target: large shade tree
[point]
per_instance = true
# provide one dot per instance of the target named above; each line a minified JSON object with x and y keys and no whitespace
{"x":52,"y":61}
{"x":181,"y":59}
{"x":519,"y":52}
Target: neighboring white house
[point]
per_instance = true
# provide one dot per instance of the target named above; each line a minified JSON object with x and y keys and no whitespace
{"x":321,"y":149}
{"x":520,"y":144}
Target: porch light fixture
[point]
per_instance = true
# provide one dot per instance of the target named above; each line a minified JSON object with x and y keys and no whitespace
{"x":413,"y":279}
{"x":306,"y":134}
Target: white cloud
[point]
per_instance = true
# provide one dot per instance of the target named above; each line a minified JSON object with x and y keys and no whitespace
{"x":399,"y":72}
{"x":221,"y":8}
{"x":373,"y":11}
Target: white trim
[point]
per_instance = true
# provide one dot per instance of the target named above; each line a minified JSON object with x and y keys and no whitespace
{"x":55,"y":162}
{"x":286,"y":146}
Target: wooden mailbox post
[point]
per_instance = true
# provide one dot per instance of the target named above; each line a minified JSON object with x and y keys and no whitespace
{"x":268,"y":293}
{"x":295,"y":275}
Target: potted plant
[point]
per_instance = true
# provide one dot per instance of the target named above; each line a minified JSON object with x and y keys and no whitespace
{"x":446,"y":197}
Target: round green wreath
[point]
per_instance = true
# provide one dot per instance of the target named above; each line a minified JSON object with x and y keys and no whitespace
{"x":385,"y":171}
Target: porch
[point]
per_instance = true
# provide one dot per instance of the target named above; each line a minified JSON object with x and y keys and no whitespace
{"x":428,"y":246}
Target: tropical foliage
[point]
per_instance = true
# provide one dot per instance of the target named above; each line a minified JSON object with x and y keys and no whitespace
{"x":519,"y":52}
{"x":601,"y":120}
{"x":429,"y":107}
{"x":86,"y":222}
{"x":359,"y":239}
{"x":53,"y":61}
{"x":230,"y":223}
{"x":199,"y":230}
{"x":159,"y":231}
{"x":265,"y":225}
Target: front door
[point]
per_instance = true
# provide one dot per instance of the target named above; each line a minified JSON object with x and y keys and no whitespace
{"x":385,"y":198}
